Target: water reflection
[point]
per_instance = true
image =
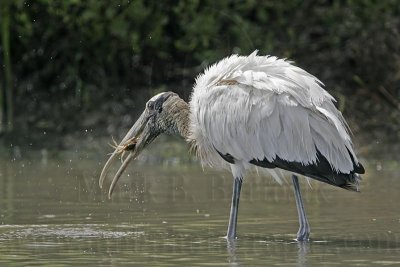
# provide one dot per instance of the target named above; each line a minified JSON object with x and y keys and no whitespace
{"x":53,"y":213}
{"x":233,"y":259}
{"x":233,"y":248}
{"x":303,"y":249}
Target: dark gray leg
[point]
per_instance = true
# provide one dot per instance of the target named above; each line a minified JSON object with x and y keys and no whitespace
{"x":237,"y":185}
{"x":304,"y":230}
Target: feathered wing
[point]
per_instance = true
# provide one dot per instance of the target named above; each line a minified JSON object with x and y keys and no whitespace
{"x":265,"y":111}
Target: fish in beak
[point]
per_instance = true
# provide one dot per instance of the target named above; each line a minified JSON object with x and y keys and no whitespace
{"x":142,"y":133}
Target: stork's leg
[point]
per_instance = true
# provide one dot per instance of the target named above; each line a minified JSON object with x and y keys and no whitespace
{"x":237,"y":185}
{"x":304,"y":230}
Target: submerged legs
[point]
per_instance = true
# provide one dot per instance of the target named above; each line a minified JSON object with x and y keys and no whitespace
{"x":237,"y":185}
{"x":304,"y":230}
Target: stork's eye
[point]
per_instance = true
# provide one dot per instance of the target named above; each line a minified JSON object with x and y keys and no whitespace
{"x":150,"y":105}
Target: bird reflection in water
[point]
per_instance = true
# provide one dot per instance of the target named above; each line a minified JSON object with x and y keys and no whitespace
{"x":233,"y":250}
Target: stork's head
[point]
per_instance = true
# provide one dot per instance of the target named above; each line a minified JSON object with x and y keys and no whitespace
{"x":158,"y":117}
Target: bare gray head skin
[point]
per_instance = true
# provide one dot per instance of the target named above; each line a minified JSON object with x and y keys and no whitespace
{"x":164,"y":113}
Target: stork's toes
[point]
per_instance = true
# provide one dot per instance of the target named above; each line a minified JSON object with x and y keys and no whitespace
{"x":303,"y":234}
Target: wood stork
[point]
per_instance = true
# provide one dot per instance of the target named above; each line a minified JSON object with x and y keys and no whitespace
{"x":254,"y":110}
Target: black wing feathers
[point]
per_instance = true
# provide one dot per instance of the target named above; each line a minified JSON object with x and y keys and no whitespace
{"x":321,"y":171}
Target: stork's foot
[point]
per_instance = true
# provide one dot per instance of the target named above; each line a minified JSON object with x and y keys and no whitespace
{"x":231,"y":233}
{"x":230,"y":237}
{"x":304,"y":233}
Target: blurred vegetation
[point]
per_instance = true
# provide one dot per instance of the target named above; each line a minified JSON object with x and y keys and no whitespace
{"x":6,"y":97}
{"x":92,"y":64}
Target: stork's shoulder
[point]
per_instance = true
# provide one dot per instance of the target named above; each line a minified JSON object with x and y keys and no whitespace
{"x":268,"y":74}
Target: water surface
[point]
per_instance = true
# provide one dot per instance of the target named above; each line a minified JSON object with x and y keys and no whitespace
{"x":168,"y":211}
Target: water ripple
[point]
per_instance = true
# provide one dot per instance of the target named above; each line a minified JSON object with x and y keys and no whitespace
{"x":74,"y":231}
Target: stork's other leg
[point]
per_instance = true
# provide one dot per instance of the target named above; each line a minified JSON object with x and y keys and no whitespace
{"x":237,"y":185}
{"x":304,"y":230}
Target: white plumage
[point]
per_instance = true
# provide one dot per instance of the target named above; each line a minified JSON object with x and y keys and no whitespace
{"x":260,"y":107}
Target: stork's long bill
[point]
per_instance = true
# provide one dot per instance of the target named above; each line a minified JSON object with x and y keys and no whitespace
{"x":134,"y":142}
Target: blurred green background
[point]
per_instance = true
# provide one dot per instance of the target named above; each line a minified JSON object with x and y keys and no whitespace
{"x":71,"y":65}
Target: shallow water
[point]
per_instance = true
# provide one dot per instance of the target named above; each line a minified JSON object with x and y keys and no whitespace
{"x":167,"y":211}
